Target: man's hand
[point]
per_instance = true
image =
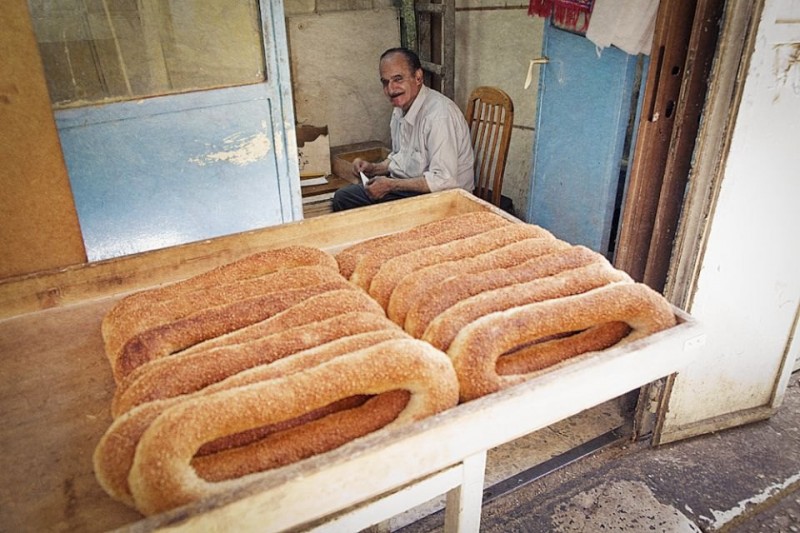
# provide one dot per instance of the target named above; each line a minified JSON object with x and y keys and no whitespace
{"x":379,"y":187}
{"x":359,"y":165}
{"x":370,"y":169}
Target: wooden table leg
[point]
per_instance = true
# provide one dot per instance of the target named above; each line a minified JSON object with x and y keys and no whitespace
{"x":463,"y":511}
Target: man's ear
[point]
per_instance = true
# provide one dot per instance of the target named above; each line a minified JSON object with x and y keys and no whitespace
{"x":418,"y":75}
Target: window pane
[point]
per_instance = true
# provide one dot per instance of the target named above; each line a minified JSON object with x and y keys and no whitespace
{"x":97,"y":50}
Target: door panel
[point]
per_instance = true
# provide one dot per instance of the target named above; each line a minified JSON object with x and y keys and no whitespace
{"x":174,"y":169}
{"x":583,"y":113}
{"x":164,"y":169}
{"x":744,"y":290}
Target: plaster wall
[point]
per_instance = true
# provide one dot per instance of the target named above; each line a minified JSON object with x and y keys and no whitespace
{"x":495,"y":42}
{"x":334,"y":47}
{"x":334,"y":67}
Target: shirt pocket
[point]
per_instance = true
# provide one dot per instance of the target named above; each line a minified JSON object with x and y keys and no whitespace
{"x":415,"y":163}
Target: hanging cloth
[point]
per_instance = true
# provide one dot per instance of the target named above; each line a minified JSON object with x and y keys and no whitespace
{"x":626,"y":24}
{"x":570,"y":14}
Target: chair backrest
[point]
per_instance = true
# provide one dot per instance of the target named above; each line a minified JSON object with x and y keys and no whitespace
{"x":490,"y":115}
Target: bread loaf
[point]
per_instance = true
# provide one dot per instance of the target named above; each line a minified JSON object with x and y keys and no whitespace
{"x":479,"y":345}
{"x":162,"y":476}
{"x":379,"y":249}
{"x":258,"y":364}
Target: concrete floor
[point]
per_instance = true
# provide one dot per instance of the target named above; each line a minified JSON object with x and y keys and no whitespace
{"x":745,"y":479}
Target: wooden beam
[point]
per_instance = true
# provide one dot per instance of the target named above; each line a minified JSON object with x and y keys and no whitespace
{"x":662,"y":92}
{"x":701,"y":49}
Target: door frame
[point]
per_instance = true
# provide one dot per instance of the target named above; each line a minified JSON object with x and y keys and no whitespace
{"x":736,"y":44}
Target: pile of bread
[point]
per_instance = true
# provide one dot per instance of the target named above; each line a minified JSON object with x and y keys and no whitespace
{"x":293,"y":352}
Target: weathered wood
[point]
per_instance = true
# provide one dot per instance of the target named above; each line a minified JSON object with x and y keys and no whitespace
{"x":724,"y":91}
{"x":701,"y":51}
{"x":56,"y":388}
{"x":38,"y":221}
{"x":662,"y":91}
{"x":116,"y":276}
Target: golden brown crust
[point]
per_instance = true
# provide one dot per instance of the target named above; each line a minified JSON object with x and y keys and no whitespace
{"x":394,"y":270}
{"x":186,"y":373}
{"x":113,"y":456}
{"x":444,"y":328}
{"x":252,"y":266}
{"x":430,"y":234}
{"x":312,"y":437}
{"x":418,"y":285}
{"x":478,"y":346}
{"x":157,"y":308}
{"x":369,"y":264}
{"x":314,"y":309}
{"x":451,"y":291}
{"x":162,"y":477}
{"x":549,"y":352}
{"x":209,"y":323}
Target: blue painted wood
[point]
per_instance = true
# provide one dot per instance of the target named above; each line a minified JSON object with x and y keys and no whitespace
{"x":163,"y":171}
{"x":583,"y":112}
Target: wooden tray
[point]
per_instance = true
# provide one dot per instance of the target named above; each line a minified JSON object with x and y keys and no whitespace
{"x":57,"y":388}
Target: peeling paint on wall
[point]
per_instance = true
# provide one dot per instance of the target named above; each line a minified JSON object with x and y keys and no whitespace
{"x":787,"y":66}
{"x":239,"y":150}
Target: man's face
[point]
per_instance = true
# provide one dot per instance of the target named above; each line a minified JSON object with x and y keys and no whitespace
{"x":400,"y":84}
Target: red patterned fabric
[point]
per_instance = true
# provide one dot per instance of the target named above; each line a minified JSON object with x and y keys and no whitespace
{"x":566,"y":13}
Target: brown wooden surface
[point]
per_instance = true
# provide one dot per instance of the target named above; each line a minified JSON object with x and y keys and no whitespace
{"x":334,"y":183}
{"x":662,"y":91}
{"x":342,"y":157}
{"x":116,"y":276}
{"x":56,"y":388}
{"x":490,"y":115}
{"x":55,"y":381}
{"x":55,"y":393}
{"x":38,"y":221}
{"x":701,"y":51}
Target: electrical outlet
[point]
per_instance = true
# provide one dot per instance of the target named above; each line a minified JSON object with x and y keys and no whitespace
{"x":695,"y":342}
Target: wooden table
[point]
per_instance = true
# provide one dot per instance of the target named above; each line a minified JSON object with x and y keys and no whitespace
{"x":56,"y":390}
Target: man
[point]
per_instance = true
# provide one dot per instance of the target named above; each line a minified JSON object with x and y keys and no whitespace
{"x":431,"y":146}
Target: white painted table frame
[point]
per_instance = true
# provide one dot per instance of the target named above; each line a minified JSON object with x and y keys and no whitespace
{"x":386,"y":473}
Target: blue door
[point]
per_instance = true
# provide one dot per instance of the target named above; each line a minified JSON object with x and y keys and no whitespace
{"x":583,"y":113}
{"x":215,"y":157}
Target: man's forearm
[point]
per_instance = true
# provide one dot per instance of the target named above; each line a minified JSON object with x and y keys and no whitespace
{"x":419,"y":184}
{"x":380,"y":169}
{"x":381,"y":186}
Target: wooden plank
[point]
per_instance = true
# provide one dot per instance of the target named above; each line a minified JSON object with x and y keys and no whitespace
{"x":662,"y":90}
{"x":38,"y":221}
{"x":117,"y":276}
{"x":463,"y":508}
{"x":385,"y":507}
{"x":724,"y":92}
{"x":701,"y":52}
{"x":56,"y":389}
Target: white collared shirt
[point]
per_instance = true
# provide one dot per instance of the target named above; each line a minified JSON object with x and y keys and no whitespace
{"x":432,"y":140}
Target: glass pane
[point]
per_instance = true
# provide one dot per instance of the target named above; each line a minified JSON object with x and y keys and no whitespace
{"x":99,"y":50}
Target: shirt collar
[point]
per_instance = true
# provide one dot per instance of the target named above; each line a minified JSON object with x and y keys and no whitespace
{"x":413,"y":111}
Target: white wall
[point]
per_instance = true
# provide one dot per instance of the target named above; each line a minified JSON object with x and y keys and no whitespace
{"x":748,"y":289}
{"x":494,"y":45}
{"x":334,"y":46}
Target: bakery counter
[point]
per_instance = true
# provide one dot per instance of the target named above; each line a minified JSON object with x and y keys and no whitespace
{"x":57,"y":388}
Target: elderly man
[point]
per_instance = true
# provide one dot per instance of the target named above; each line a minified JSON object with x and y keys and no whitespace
{"x":431,"y":147}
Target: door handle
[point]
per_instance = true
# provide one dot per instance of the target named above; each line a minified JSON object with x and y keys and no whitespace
{"x":536,"y":61}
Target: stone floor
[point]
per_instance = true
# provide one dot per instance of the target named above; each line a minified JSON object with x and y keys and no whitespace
{"x":741,"y":480}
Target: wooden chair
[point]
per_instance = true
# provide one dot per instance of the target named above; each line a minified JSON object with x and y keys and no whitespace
{"x":490,"y":115}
